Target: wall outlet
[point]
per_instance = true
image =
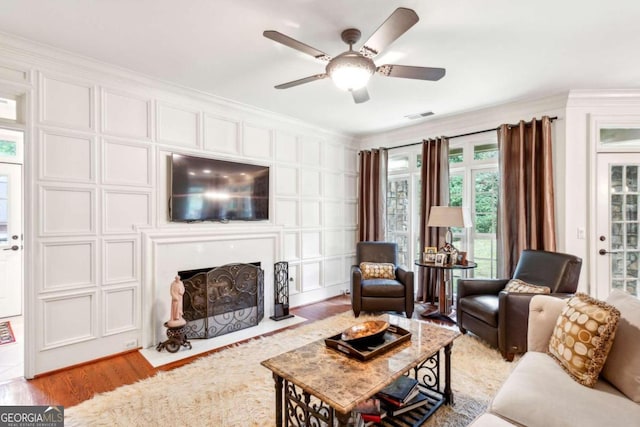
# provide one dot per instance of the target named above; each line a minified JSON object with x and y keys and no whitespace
{"x":131,"y":344}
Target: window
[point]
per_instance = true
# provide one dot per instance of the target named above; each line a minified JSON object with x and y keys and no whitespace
{"x":473,"y":183}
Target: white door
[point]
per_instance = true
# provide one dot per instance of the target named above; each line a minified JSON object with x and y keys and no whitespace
{"x":617,"y":250}
{"x":10,"y":240}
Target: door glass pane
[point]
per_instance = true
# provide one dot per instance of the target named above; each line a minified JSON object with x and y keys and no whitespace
{"x":398,"y":217}
{"x":623,"y":137}
{"x":9,"y":141}
{"x":8,"y":109}
{"x":398,"y":163}
{"x":4,"y":205}
{"x":623,"y":200}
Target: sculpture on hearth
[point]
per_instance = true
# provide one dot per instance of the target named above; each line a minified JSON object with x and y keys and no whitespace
{"x":177,"y":291}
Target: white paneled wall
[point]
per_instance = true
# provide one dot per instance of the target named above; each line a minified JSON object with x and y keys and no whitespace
{"x":97,"y":162}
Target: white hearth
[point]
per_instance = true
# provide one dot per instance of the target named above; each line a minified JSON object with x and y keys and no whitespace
{"x":169,"y":251}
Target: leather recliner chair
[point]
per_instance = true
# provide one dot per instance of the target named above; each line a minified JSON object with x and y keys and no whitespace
{"x":501,"y":318}
{"x":381,"y":294}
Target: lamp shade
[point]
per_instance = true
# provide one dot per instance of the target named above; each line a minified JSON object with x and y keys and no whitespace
{"x":449,"y":216}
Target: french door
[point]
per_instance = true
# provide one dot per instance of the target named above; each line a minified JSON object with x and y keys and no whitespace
{"x":617,"y":250}
{"x":10,"y":240}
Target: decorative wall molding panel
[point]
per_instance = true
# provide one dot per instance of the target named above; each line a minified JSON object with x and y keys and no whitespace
{"x":125,"y":211}
{"x":286,"y":147}
{"x":311,"y":276}
{"x":311,"y":152}
{"x":127,"y":163}
{"x":120,"y":310}
{"x":67,"y":156}
{"x":67,"y":211}
{"x":257,"y":141}
{"x":125,"y":114}
{"x":221,"y":134}
{"x":311,"y":244}
{"x":67,"y":103}
{"x":286,"y":181}
{"x":68,"y":319}
{"x":311,"y":183}
{"x":121,"y":260}
{"x":177,"y":125}
{"x":333,"y":271}
{"x":68,"y":264}
{"x":287,"y":212}
{"x":311,"y":213}
{"x":291,"y":251}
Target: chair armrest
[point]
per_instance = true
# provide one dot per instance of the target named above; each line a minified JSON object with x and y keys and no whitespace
{"x":543,"y":314}
{"x":480,"y":286}
{"x":356,"y":288}
{"x":513,"y":312}
{"x":406,"y":278}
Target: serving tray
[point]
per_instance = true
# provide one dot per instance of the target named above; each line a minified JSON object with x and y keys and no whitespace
{"x":395,"y":335}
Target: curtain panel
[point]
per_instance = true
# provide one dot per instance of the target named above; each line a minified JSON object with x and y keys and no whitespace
{"x":526,"y":207}
{"x":372,"y":206}
{"x":434,"y":191}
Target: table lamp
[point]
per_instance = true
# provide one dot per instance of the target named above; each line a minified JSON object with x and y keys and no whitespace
{"x":449,"y":216}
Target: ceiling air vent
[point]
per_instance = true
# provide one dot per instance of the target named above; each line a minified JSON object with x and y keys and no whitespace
{"x":419,"y":115}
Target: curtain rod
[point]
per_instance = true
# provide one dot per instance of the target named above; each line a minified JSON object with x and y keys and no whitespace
{"x":463,"y":134}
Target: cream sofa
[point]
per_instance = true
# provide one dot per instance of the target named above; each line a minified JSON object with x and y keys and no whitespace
{"x":539,"y":393}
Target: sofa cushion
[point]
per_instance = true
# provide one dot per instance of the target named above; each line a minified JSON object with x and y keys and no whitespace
{"x":583,"y":336}
{"x":517,"y":285}
{"x":622,"y":368}
{"x":483,"y":307}
{"x":378,"y":270}
{"x":538,"y":392}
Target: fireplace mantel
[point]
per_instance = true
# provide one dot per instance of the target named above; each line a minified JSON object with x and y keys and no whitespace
{"x":166,"y":252}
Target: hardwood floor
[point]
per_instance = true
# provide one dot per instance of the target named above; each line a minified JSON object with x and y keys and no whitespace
{"x":71,"y":386}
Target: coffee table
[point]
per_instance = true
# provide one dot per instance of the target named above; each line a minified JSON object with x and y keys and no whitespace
{"x":316,"y":385}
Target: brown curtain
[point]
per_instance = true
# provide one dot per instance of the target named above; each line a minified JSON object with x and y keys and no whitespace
{"x":372,"y":205}
{"x":433,"y":192}
{"x":526,"y":218}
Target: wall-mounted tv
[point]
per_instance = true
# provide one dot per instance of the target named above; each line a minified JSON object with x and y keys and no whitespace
{"x":216,"y":190}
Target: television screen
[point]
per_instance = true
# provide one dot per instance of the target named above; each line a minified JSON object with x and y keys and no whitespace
{"x":216,"y":190}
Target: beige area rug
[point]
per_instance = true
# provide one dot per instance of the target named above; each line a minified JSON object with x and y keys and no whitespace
{"x":231,"y":388}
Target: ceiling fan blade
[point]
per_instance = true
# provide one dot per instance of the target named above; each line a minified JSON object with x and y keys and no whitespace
{"x":295,"y":44}
{"x":409,"y":72}
{"x":360,"y":95}
{"x":301,"y":81}
{"x":396,"y":25}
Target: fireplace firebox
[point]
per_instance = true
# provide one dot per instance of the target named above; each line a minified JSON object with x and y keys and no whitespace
{"x":223,"y":299}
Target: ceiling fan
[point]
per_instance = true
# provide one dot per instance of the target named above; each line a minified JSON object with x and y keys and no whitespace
{"x":351,"y":70}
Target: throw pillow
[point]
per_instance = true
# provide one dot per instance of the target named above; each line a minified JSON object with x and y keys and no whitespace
{"x":517,"y":285}
{"x":583,"y":336}
{"x":622,"y":368}
{"x":375,"y":270}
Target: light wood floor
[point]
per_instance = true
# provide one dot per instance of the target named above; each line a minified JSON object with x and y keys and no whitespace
{"x":71,"y":386}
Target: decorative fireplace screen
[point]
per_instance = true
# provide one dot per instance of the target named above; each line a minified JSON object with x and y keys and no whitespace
{"x":223,"y":300}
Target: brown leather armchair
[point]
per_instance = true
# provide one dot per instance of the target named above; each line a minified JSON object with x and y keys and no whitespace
{"x":381,"y":294}
{"x":501,"y":318}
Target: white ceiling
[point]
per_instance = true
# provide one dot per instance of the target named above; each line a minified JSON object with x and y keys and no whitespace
{"x":494,"y":50}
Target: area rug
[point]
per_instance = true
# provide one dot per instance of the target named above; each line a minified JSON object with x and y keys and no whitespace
{"x":6,"y":333}
{"x":230,"y":388}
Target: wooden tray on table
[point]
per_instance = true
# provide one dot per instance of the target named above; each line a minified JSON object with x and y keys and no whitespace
{"x":394,"y":336}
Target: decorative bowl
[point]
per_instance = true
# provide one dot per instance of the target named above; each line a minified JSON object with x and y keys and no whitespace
{"x":365,"y":333}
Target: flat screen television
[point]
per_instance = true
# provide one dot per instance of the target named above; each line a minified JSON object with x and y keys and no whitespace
{"x":216,"y":190}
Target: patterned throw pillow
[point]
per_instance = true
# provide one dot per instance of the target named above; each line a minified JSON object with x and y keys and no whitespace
{"x":517,"y":285}
{"x":583,"y":336}
{"x":374,"y":270}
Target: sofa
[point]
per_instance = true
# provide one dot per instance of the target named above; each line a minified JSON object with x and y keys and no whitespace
{"x":539,"y":392}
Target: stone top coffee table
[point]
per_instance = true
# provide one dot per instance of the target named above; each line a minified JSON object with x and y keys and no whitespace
{"x":320,"y":385}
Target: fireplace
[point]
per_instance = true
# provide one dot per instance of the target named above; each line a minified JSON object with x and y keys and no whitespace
{"x":223,"y":299}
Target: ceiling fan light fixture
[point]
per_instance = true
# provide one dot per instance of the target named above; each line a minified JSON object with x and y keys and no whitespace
{"x":350,"y":70}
